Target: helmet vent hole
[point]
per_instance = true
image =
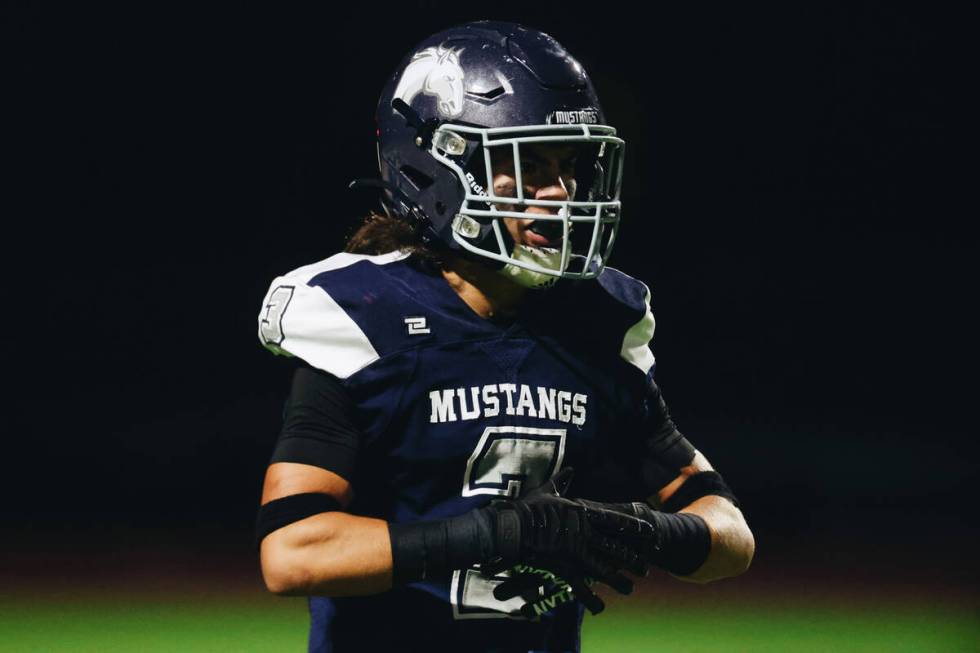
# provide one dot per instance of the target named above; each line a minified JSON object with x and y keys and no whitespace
{"x":489,"y":95}
{"x":419,"y":179}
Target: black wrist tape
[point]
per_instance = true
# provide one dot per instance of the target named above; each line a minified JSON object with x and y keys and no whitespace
{"x":282,"y":512}
{"x":433,"y":549}
{"x":685,"y":541}
{"x":696,"y":486}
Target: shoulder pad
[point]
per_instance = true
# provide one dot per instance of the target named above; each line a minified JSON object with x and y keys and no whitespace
{"x":301,"y":317}
{"x":635,"y":296}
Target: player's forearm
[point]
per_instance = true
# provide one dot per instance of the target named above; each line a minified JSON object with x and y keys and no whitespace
{"x":330,"y":554}
{"x":732,"y":543}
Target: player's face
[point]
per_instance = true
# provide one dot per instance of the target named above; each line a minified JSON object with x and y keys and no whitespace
{"x":548,"y":173}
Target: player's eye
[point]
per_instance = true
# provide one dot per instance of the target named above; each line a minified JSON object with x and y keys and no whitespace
{"x":529,"y":167}
{"x":501,"y":161}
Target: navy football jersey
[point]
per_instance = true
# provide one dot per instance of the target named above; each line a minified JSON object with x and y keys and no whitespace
{"x":453,"y":410}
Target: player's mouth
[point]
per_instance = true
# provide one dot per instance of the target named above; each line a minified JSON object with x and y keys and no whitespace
{"x":543,"y":233}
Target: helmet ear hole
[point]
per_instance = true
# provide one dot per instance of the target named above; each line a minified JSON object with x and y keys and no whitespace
{"x":440,"y":208}
{"x":419,"y":179}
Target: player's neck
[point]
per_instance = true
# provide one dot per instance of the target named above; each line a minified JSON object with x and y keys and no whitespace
{"x":485,"y":291}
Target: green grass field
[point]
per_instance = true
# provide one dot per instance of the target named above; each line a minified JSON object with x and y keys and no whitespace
{"x":215,"y":623}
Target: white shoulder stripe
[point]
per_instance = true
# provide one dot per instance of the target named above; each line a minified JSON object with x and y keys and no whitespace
{"x":320,"y":332}
{"x":636,"y":343}
{"x":342,"y":260}
{"x":306,"y":322}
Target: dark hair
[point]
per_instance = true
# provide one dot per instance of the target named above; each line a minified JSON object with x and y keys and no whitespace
{"x":379,"y":234}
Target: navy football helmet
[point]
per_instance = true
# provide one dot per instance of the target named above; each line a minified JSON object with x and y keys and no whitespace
{"x":472,"y":93}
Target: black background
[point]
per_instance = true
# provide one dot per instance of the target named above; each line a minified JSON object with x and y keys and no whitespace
{"x":788,"y":197}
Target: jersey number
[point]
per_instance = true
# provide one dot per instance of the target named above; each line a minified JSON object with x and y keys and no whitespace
{"x":271,"y":324}
{"x":505,"y":459}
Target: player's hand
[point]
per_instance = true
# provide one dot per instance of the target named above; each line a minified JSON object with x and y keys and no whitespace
{"x":542,"y":591}
{"x":647,"y":539}
{"x":546,"y":530}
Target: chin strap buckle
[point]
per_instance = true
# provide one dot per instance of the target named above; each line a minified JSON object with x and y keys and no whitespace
{"x":423,"y":128}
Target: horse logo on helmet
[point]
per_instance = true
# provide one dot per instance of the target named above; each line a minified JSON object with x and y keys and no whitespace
{"x":436,"y":72}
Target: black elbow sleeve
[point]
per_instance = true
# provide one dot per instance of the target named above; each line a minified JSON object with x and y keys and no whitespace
{"x":282,"y":512}
{"x":696,"y":486}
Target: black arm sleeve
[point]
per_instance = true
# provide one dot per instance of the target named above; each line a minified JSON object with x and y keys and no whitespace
{"x":318,"y":424}
{"x":666,"y":450}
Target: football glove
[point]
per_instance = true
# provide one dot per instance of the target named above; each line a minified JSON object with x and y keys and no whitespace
{"x":541,"y":590}
{"x":573,"y":541}
{"x":540,"y":529}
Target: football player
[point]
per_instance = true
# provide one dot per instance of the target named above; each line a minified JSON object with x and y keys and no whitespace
{"x":465,"y":352}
